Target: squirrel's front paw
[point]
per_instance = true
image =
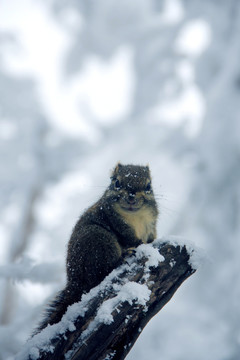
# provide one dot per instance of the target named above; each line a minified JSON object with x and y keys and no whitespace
{"x":129,"y":252}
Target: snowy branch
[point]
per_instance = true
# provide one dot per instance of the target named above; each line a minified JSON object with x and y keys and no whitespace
{"x":26,"y":270}
{"x":109,"y":319}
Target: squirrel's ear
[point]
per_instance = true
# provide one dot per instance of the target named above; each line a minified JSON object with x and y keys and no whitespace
{"x":118,"y":166}
{"x":116,"y":170}
{"x":148,"y":170}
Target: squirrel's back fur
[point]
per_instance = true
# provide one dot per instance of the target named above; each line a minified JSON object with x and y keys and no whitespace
{"x":123,"y":218}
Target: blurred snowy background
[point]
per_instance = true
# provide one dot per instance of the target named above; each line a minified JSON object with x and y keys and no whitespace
{"x":84,"y":84}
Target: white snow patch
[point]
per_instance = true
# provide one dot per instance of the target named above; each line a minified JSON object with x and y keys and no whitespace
{"x":197,"y":255}
{"x":129,"y":292}
{"x":110,"y":355}
{"x":194,"y":38}
{"x":39,"y":342}
{"x":172,"y":263}
{"x":42,"y":340}
{"x":153,"y":255}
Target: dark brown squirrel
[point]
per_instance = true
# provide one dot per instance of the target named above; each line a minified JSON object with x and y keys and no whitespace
{"x":123,"y":218}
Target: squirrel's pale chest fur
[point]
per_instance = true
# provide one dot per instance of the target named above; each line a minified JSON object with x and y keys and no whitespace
{"x":142,"y":222}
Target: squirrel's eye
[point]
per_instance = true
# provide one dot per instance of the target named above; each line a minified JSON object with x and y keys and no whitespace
{"x":148,"y":187}
{"x":117,"y":184}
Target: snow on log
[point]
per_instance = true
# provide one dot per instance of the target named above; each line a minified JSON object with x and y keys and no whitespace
{"x":108,"y":320}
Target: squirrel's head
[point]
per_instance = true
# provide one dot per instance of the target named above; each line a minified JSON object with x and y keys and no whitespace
{"x":131,"y":187}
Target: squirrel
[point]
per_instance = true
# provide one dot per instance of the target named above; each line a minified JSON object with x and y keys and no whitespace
{"x":123,"y":218}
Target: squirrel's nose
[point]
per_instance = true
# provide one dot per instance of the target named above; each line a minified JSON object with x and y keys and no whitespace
{"x":131,"y":198}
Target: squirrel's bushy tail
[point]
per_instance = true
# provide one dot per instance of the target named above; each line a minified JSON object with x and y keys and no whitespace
{"x":55,"y":310}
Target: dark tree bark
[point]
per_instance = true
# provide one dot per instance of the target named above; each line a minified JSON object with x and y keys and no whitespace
{"x":93,"y":338}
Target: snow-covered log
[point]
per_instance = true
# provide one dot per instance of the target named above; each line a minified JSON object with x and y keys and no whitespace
{"x":108,"y":320}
